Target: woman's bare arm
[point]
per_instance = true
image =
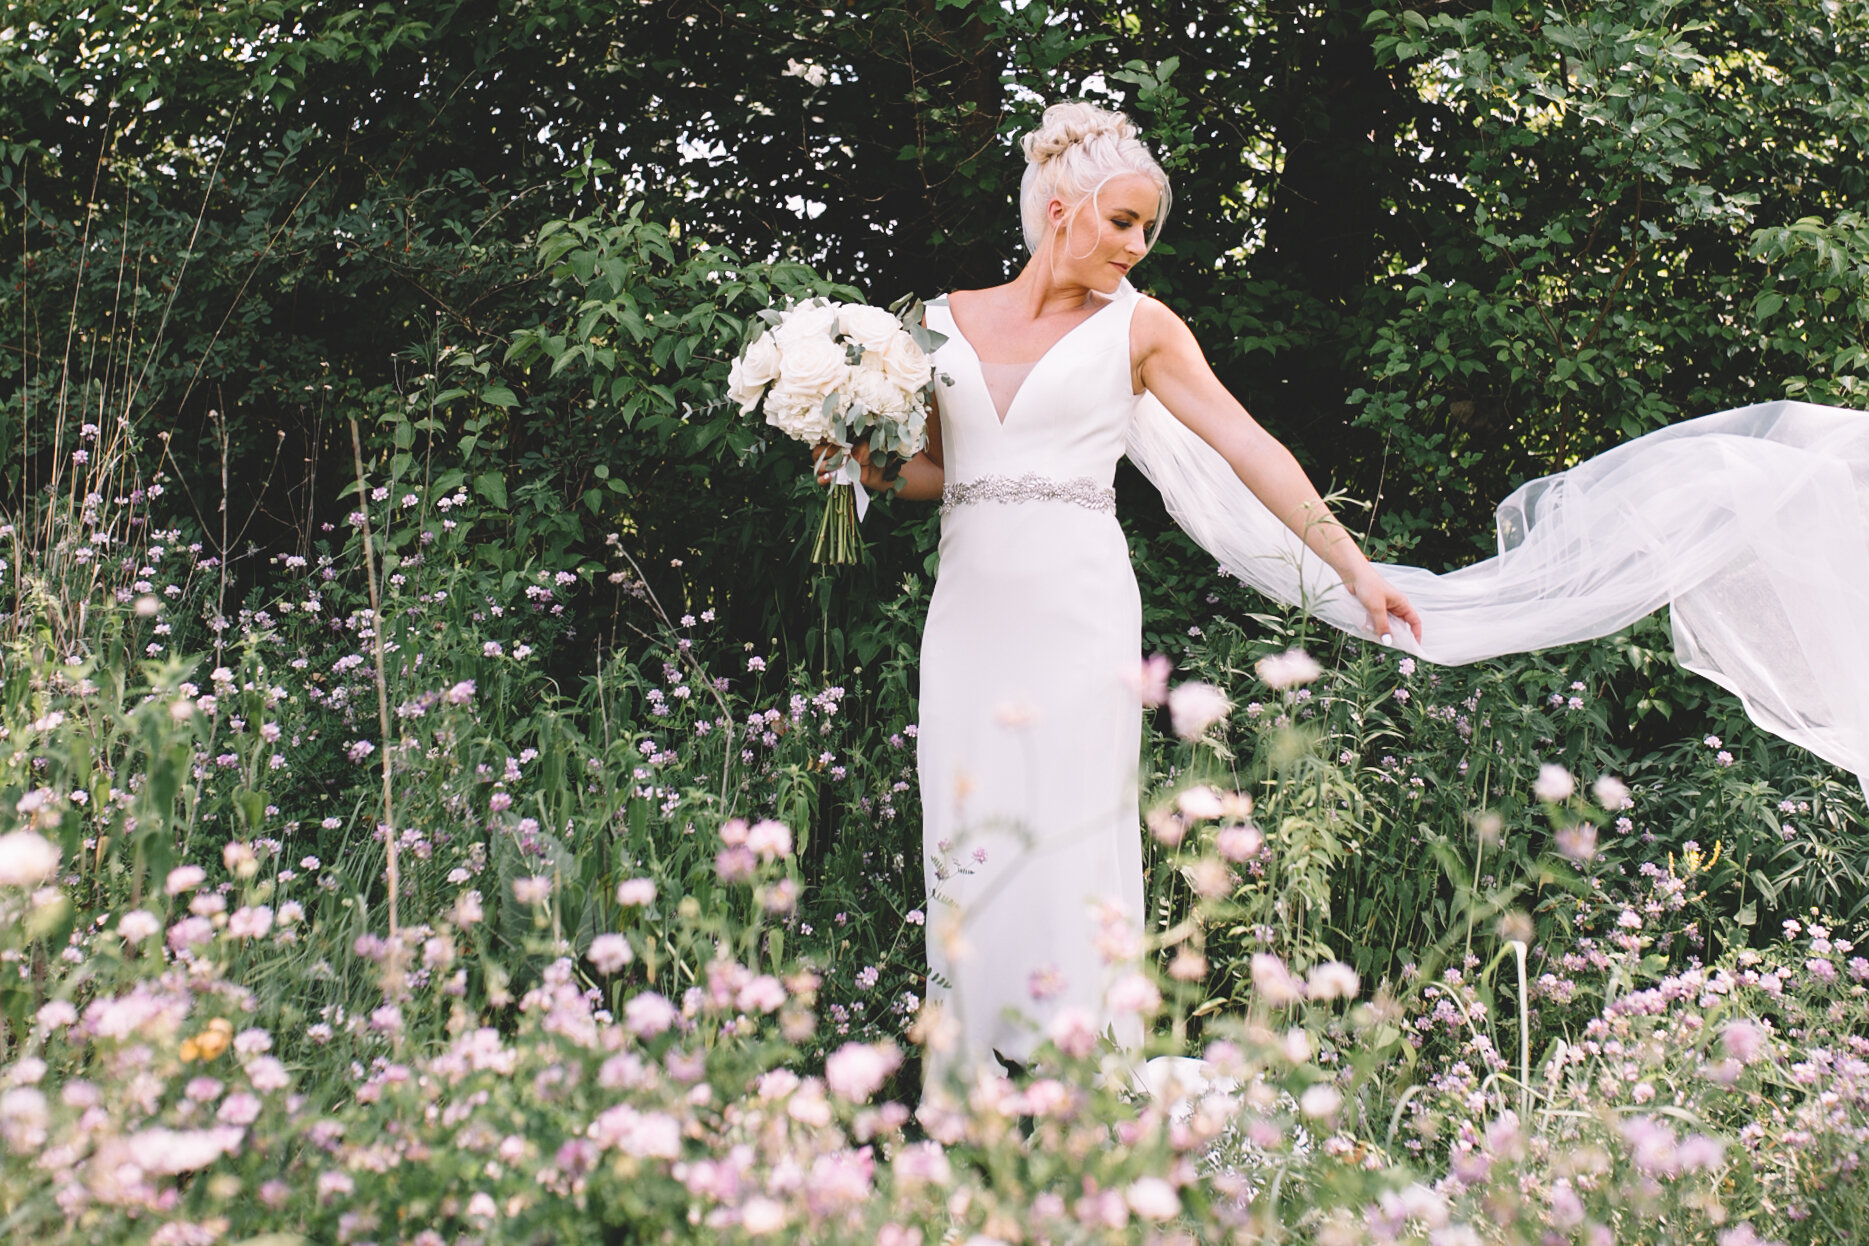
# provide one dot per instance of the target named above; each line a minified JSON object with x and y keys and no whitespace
{"x":1172,"y":366}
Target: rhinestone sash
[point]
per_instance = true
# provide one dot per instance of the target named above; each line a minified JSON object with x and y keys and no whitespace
{"x":1031,"y":487}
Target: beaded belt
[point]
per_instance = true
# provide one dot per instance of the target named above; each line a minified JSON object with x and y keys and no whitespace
{"x":1078,"y":491}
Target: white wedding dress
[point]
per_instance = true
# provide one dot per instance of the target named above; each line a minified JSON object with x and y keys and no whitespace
{"x":1751,"y":525}
{"x":1030,"y":724}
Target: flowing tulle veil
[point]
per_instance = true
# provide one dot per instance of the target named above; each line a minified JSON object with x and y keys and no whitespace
{"x":1751,"y":525}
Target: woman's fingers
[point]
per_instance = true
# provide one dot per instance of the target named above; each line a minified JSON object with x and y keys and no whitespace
{"x":1379,"y":623}
{"x":824,"y":453}
{"x":1385,"y":605}
{"x":1393,"y":605}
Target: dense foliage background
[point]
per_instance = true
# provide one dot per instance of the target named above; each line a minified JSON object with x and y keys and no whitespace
{"x":1439,"y":251}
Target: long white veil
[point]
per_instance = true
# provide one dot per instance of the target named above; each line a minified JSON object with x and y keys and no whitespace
{"x":1749,"y":524}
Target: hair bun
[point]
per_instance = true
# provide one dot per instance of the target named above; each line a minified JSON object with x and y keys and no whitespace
{"x":1068,"y":124}
{"x":1076,"y":150}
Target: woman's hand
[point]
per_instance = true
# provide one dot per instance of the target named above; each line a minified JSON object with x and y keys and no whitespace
{"x":1383,"y":601}
{"x":872,"y":475}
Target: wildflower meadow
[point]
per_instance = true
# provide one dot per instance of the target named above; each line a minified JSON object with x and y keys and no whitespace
{"x":442,"y":803}
{"x":395,"y":909}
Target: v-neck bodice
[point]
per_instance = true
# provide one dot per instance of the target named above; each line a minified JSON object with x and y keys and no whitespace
{"x":1067,"y":417}
{"x":1003,"y":382}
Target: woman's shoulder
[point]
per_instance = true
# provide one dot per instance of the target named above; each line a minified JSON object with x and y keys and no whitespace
{"x":969,"y":298}
{"x":1155,"y":319}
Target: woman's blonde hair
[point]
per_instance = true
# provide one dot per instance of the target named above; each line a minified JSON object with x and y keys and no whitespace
{"x":1072,"y":154}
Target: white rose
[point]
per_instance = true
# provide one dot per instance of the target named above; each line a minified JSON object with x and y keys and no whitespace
{"x":905,"y":363}
{"x":753,"y":371}
{"x":869,"y":327}
{"x":894,"y":418}
{"x":813,"y":365}
{"x":816,"y":319}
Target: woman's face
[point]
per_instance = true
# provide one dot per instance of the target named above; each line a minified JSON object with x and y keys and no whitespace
{"x":1101,"y":238}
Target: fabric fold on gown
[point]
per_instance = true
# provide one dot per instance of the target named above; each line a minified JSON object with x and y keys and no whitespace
{"x":1751,"y":525}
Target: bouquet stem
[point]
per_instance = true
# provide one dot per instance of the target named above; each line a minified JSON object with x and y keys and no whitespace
{"x":837,"y":530}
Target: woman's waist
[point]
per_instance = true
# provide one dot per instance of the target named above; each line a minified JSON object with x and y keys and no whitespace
{"x":1092,"y":493}
{"x":989,"y":540}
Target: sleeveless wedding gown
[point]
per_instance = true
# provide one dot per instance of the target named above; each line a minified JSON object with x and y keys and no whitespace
{"x":1751,"y":525}
{"x":1030,"y":724}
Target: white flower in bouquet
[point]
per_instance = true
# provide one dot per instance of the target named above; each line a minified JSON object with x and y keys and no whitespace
{"x":891,"y":418}
{"x":872,"y":328}
{"x":904,"y":362}
{"x":757,"y":368}
{"x":815,"y":318}
{"x":809,"y":369}
{"x":871,"y":389}
{"x":889,"y":414}
{"x":816,"y":364}
{"x":798,"y":413}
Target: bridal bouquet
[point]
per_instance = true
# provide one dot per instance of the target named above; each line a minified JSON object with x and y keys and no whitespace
{"x":842,"y":375}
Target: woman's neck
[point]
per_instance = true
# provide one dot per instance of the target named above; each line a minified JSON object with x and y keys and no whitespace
{"x":1039,"y":293}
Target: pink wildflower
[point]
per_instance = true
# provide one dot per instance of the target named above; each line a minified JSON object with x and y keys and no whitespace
{"x":184,"y":877}
{"x":1152,"y":1198}
{"x":648,"y":1013}
{"x":610,"y":952}
{"x":1289,"y":669}
{"x":1554,"y":783}
{"x":27,"y":859}
{"x":771,"y":840}
{"x":1150,"y":679}
{"x":1239,"y":843}
{"x":1074,"y":1031}
{"x":856,"y":1071}
{"x":250,"y":923}
{"x":1194,"y":707}
{"x":636,"y":892}
{"x":1273,"y":982}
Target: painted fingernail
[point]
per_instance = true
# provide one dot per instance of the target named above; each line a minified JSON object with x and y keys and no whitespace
{"x":1388,"y":638}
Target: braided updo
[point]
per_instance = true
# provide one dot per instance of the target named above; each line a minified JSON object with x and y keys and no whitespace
{"x":1075,"y":150}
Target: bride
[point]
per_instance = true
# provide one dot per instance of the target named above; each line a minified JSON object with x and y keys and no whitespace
{"x":1030,"y":720}
{"x":1750,"y":525}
